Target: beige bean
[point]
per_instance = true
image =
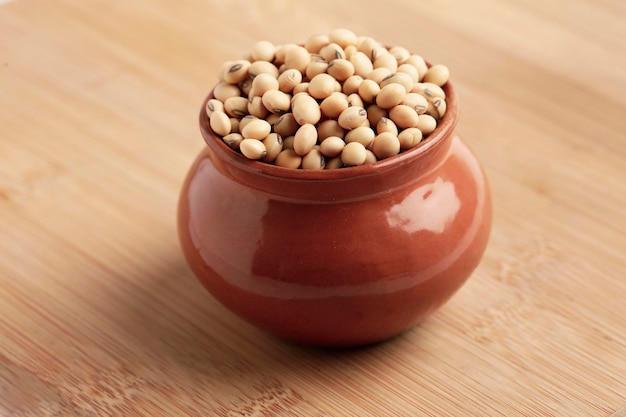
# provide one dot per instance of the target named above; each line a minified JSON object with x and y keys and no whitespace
{"x":355,"y":100}
{"x":316,"y":42}
{"x":323,"y":85}
{"x":213,"y":105}
{"x":426,"y":124}
{"x":385,"y":124}
{"x":313,"y":160}
{"x":306,"y":110}
{"x":354,"y":153}
{"x":224,"y":90}
{"x":281,"y":52}
{"x":316,"y":67}
{"x":351,"y":85}
{"x":386,"y":145}
{"x":252,"y":148}
{"x":297,"y":57}
{"x":262,"y":83}
{"x":375,"y":113}
{"x":305,"y":139}
{"x":342,"y":37}
{"x":428,"y":90}
{"x":409,"y":70}
{"x":288,"y":80}
{"x":256,"y":107}
{"x":340,"y":69}
{"x":273,"y":145}
{"x":236,"y":106}
{"x":256,"y":129}
{"x":334,"y":163}
{"x":418,"y":62}
{"x":368,"y":90}
{"x":403,"y":116}
{"x":410,"y":137}
{"x":245,"y":120}
{"x":370,"y":158}
{"x":329,"y":128}
{"x":332,"y":51}
{"x":437,"y":74}
{"x":379,"y":74}
{"x":400,"y":78}
{"x":286,"y":125}
{"x":332,"y":146}
{"x":362,"y":64}
{"x":263,"y":51}
{"x":288,"y":158}
{"x":237,"y":71}
{"x":416,"y":101}
{"x":441,"y":106}
{"x":349,"y":51}
{"x":364,"y":135}
{"x":262,"y":67}
{"x":352,"y":117}
{"x":386,"y":60}
{"x":334,"y":104}
{"x":367,"y":46}
{"x":390,"y":95}
{"x":220,"y":123}
{"x":233,"y":140}
{"x":400,"y":53}
{"x":276,"y":101}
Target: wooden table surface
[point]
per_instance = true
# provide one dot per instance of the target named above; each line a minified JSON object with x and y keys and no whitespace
{"x":101,"y":316}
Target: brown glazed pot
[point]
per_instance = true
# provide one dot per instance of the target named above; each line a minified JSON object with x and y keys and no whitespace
{"x":341,"y":257}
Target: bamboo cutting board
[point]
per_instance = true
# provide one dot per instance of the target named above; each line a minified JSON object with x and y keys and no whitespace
{"x":100,"y":315}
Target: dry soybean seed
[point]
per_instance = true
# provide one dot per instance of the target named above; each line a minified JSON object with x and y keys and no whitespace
{"x":370,"y":158}
{"x":428,"y":90}
{"x":410,"y":137}
{"x":426,"y":124}
{"x":355,"y":100}
{"x":350,"y":50}
{"x":286,"y":125}
{"x":305,"y":139}
{"x":329,"y":128}
{"x":334,"y":163}
{"x":245,"y":120}
{"x":297,"y":57}
{"x":364,"y":135}
{"x":233,"y":140}
{"x":386,"y":60}
{"x":399,"y":77}
{"x":313,"y":160}
{"x":262,"y":67}
{"x":288,"y":158}
{"x":403,"y":116}
{"x":385,"y":145}
{"x":332,"y":146}
{"x":352,"y":117}
{"x":306,"y":110}
{"x":223,"y":90}
{"x":276,"y":101}
{"x":316,"y":42}
{"x":362,"y":64}
{"x":368,"y":90}
{"x":416,"y":101}
{"x":386,"y":125}
{"x":351,"y":85}
{"x":252,"y":148}
{"x":262,"y":83}
{"x":375,"y":113}
{"x":437,"y":74}
{"x":342,"y":37}
{"x":256,"y":129}
{"x":401,"y":54}
{"x":390,"y":95}
{"x":301,"y":88}
{"x":353,"y":154}
{"x":237,"y":71}
{"x":316,"y":67}
{"x":333,"y":105}
{"x":332,"y":51}
{"x":410,"y":70}
{"x":281,"y":52}
{"x":441,"y":106}
{"x":323,"y":85}
{"x":340,"y":69}
{"x":256,"y":107}
{"x":418,"y":62}
{"x":213,"y":105}
{"x":273,"y":146}
{"x":379,"y":74}
{"x":220,"y":123}
{"x":367,"y":46}
{"x":288,"y":80}
{"x":263,"y":51}
{"x":236,"y":106}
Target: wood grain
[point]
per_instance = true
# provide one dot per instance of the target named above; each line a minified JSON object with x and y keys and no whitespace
{"x":100,"y":315}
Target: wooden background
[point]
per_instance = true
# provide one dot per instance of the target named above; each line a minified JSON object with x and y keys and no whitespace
{"x":100,"y":315}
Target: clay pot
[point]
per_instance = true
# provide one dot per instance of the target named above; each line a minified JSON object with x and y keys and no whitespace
{"x":341,"y":257}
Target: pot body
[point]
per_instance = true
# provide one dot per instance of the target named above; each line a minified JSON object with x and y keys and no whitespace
{"x":340,"y":260}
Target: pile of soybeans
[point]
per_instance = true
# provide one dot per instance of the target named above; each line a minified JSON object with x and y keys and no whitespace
{"x":338,"y":100}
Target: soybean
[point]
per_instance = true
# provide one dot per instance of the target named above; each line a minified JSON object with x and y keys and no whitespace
{"x":403,"y":116}
{"x":390,"y":95}
{"x":437,"y":74}
{"x":313,"y":160}
{"x":220,"y":123}
{"x":288,"y":158}
{"x":305,"y":139}
{"x":306,"y":110}
{"x":354,"y":153}
{"x":332,"y":146}
{"x":352,"y":117}
{"x":426,"y":124}
{"x":252,"y":148}
{"x":385,"y":145}
{"x":273,"y":145}
{"x":256,"y":129}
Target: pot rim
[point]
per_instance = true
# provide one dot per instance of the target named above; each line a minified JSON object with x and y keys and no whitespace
{"x":444,"y":130}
